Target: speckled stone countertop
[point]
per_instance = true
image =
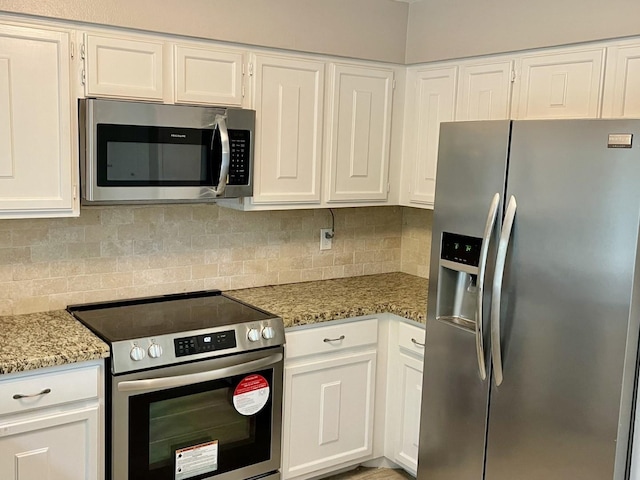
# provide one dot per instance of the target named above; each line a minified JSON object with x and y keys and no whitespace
{"x":319,"y":301}
{"x":46,"y":339}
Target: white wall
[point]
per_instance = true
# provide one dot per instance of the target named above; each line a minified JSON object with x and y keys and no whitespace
{"x":369,"y":29}
{"x":446,"y":29}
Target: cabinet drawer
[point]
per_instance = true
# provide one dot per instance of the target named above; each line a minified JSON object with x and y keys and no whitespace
{"x":331,"y":338}
{"x":411,"y":338}
{"x":63,"y":386}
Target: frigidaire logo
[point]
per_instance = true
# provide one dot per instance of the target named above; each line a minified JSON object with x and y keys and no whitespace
{"x":178,"y":135}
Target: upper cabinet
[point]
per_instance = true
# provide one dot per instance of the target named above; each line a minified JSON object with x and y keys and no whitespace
{"x":124,"y":67}
{"x":38,"y":151}
{"x":562,"y":84}
{"x":288,"y":98}
{"x":154,"y":69}
{"x":622,"y":82}
{"x":484,"y":90}
{"x":358,"y":132}
{"x":207,"y":75}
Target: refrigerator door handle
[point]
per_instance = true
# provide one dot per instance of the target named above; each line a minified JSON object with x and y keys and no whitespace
{"x":482,"y":267}
{"x":501,"y":257}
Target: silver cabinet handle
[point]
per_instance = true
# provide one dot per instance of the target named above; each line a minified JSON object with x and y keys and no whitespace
{"x":496,"y":297}
{"x":221,"y":124}
{"x":340,"y":338}
{"x":18,"y":396}
{"x":482,"y":267}
{"x":417,"y":343}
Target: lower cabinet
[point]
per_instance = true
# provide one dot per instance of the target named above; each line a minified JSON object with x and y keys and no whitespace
{"x":50,"y":424}
{"x":329,"y":398}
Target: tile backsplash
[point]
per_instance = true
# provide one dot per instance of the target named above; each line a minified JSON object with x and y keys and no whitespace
{"x":120,"y":252}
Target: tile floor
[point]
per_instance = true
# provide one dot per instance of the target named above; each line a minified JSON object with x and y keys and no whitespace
{"x":363,"y":473}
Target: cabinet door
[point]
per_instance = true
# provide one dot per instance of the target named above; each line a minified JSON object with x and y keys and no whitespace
{"x":358,"y":131}
{"x":123,"y":68}
{"x":37,"y":159}
{"x":622,"y":82}
{"x":560,"y":85}
{"x":431,"y":95}
{"x":328,"y":413}
{"x":208,"y":76}
{"x":484,"y":91}
{"x":60,"y":446}
{"x":408,"y":427}
{"x":288,"y":101}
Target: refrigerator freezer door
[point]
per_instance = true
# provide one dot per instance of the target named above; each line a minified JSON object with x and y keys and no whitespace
{"x":471,"y":170}
{"x":569,"y":323}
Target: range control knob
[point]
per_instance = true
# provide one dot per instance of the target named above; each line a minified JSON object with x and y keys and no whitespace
{"x":253,"y":335}
{"x":268,"y":333}
{"x":155,"y":350}
{"x":137,"y":353}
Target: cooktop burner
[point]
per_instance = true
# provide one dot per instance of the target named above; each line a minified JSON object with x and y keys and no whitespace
{"x":155,"y":331}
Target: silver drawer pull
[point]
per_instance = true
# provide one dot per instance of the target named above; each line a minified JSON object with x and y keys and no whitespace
{"x":417,"y":343}
{"x":340,"y":338}
{"x":18,"y":396}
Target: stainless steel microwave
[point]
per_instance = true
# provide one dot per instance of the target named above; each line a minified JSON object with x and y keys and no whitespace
{"x":134,"y":152}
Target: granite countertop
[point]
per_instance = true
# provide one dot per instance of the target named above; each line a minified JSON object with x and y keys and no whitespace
{"x":313,"y":302}
{"x":46,"y":339}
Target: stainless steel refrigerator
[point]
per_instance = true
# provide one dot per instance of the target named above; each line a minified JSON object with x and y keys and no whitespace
{"x":531,"y":354}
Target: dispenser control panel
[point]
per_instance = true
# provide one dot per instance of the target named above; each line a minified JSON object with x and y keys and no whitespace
{"x":461,"y":249}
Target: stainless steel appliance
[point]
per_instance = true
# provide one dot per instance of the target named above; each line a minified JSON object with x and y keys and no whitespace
{"x":134,"y":152}
{"x":195,"y":389}
{"x":531,"y":355}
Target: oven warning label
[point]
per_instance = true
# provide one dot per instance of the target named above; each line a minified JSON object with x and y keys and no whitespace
{"x":196,"y":460}
{"x":251,"y":394}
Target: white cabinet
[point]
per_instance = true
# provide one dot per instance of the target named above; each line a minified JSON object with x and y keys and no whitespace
{"x":288,"y":99}
{"x":431,"y":95}
{"x":53,"y":434}
{"x":207,"y":75}
{"x":405,"y":395}
{"x":622,"y":82}
{"x":38,"y":155}
{"x":484,"y":90}
{"x":329,"y":394}
{"x":358,"y":132}
{"x":560,"y":84}
{"x":124,"y":67}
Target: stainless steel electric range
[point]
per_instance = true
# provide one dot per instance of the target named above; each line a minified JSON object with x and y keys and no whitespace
{"x":195,"y":387}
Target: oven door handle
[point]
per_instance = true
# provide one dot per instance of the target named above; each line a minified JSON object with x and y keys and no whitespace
{"x":191,"y":378}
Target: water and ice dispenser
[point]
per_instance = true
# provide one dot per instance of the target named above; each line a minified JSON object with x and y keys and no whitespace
{"x":457,"y":297}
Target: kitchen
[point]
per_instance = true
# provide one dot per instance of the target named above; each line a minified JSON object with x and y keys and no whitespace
{"x":123,"y":252}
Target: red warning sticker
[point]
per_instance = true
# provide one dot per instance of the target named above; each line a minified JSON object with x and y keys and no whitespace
{"x":251,"y":394}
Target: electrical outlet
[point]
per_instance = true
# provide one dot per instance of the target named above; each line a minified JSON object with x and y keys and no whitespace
{"x":325,"y":242}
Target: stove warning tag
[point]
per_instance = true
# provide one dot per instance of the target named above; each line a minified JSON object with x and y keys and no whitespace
{"x":251,"y":394}
{"x":196,"y":460}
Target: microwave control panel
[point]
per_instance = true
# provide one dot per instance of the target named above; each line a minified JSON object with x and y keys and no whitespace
{"x":204,"y":343}
{"x":239,"y":167}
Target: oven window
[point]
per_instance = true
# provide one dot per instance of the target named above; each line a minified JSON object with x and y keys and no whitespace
{"x":201,"y":420}
{"x":131,"y":155}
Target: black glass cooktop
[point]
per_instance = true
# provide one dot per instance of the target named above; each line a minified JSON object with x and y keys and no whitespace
{"x":155,"y":316}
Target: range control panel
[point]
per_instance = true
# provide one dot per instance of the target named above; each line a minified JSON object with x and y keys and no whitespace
{"x":204,"y":343}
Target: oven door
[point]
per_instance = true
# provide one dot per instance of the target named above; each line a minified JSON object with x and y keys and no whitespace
{"x":217,"y":418}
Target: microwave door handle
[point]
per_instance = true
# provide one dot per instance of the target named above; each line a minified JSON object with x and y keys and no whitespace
{"x":192,"y":378}
{"x":221,"y":124}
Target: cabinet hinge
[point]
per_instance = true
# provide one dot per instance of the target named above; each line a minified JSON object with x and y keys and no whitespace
{"x":250,"y":69}
{"x":73,"y":50}
{"x":82,"y":51}
{"x":513,"y":76}
{"x":393,"y":84}
{"x":75,"y":192}
{"x":242,"y":91}
{"x":388,"y":187}
{"x":83,"y":77}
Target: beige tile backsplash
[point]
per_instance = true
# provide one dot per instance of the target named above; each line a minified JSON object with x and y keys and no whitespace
{"x":120,"y":252}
